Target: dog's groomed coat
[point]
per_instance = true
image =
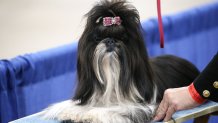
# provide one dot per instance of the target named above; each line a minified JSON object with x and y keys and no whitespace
{"x":117,"y":82}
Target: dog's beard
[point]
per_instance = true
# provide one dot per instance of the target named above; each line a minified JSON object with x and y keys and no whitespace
{"x":107,"y":67}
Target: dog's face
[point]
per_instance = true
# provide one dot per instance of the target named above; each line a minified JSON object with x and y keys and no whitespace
{"x":112,"y":55}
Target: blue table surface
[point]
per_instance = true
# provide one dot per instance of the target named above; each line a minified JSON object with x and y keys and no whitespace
{"x":179,"y":114}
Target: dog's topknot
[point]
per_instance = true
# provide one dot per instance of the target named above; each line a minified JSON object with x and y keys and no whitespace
{"x":130,"y":20}
{"x":121,"y":8}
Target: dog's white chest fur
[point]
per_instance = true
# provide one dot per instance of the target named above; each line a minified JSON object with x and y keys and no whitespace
{"x":125,"y":113}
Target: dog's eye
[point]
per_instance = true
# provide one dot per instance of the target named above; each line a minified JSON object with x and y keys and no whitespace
{"x":123,"y":38}
{"x":96,"y":38}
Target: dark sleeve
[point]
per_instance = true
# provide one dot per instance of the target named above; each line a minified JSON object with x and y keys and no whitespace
{"x":206,"y":84}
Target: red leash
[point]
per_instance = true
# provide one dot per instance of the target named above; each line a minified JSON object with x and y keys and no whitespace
{"x":160,"y":24}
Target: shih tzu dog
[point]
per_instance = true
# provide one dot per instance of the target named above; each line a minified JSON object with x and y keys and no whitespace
{"x":117,"y":81}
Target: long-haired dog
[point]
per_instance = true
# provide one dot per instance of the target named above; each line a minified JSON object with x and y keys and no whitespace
{"x":117,"y":82}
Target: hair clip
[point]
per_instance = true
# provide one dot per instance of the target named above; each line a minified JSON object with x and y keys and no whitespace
{"x":108,"y":21}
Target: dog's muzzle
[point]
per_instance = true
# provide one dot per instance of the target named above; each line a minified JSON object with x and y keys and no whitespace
{"x":110,"y":44}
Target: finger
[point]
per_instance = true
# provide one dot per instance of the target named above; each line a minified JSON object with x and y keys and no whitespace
{"x":169,"y":113}
{"x":159,"y":114}
{"x":161,"y":111}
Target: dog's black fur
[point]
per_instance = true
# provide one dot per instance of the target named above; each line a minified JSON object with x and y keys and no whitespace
{"x":165,"y":71}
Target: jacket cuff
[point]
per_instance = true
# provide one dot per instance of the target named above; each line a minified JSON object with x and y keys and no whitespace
{"x":195,"y":95}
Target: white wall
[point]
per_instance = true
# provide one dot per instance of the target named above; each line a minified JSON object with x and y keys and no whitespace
{"x":32,"y":25}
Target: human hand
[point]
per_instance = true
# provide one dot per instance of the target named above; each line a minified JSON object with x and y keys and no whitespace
{"x":173,"y":100}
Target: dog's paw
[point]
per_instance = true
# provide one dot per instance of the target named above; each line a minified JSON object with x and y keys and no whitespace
{"x":91,"y":119}
{"x":60,"y":111}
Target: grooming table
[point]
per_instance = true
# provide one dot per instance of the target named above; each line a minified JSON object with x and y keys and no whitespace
{"x":178,"y":117}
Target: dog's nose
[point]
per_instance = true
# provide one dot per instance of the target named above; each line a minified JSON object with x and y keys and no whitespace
{"x":110,"y":42}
